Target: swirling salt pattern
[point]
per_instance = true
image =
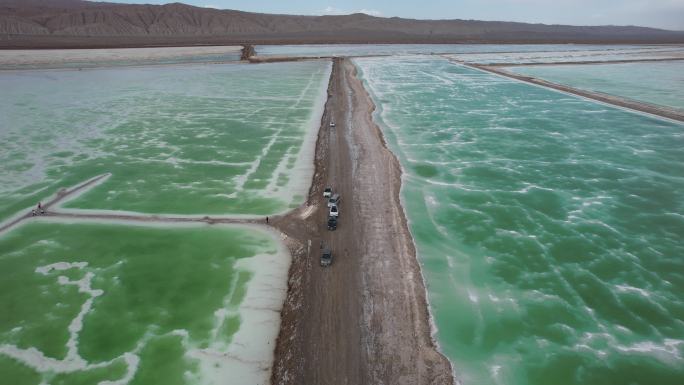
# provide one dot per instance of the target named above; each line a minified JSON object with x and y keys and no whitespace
{"x":183,"y":140}
{"x":549,"y":227}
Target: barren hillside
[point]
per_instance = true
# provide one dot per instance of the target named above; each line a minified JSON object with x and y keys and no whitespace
{"x":66,"y":23}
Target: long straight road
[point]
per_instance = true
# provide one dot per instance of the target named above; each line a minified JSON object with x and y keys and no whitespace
{"x":364,"y":320}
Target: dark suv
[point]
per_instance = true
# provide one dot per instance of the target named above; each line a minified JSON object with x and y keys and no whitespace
{"x":332,"y":223}
{"x":326,"y":258}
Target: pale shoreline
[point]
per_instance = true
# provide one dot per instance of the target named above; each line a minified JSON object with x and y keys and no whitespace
{"x":400,"y":202}
{"x":431,"y":320}
{"x":89,"y":58}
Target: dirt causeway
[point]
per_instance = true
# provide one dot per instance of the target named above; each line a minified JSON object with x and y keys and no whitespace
{"x":364,"y":320}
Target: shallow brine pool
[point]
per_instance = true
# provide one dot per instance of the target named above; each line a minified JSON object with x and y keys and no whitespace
{"x":221,"y":139}
{"x":124,"y":304}
{"x":549,"y":228}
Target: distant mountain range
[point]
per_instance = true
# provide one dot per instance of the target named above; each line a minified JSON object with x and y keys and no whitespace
{"x":76,"y":23}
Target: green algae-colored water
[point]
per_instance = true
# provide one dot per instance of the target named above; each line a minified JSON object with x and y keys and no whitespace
{"x":549,"y":228}
{"x":114,"y":304}
{"x":203,"y":139}
{"x":659,"y":83}
{"x":84,"y":303}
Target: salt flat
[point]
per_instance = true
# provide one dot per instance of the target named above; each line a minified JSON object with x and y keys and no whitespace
{"x":77,"y":58}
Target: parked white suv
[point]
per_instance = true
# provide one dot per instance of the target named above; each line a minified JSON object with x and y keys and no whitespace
{"x":334,"y":211}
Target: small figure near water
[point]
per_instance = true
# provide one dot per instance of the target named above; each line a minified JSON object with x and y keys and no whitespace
{"x":266,"y":220}
{"x":39,"y":210}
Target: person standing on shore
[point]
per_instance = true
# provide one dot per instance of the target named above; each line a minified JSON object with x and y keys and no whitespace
{"x":266,"y":220}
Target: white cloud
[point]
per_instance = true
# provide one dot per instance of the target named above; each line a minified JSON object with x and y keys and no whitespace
{"x":371,"y":12}
{"x":329,"y":10}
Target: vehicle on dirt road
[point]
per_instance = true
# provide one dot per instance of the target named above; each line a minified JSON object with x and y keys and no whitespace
{"x":334,"y":200}
{"x":326,"y":257}
{"x":327,"y":192}
{"x":332,"y":223}
{"x":332,"y":124}
{"x":334,"y":212}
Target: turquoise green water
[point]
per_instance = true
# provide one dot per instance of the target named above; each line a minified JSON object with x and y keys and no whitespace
{"x":656,"y":83}
{"x":549,"y":228}
{"x":89,"y":303}
{"x":84,"y":303}
{"x":185,"y":140}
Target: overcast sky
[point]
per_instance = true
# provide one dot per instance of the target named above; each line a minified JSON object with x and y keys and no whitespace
{"x":667,"y":14}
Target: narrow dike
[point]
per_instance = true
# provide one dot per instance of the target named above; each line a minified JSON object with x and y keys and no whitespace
{"x":365,"y":319}
{"x":440,"y":370}
{"x":651,"y":109}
